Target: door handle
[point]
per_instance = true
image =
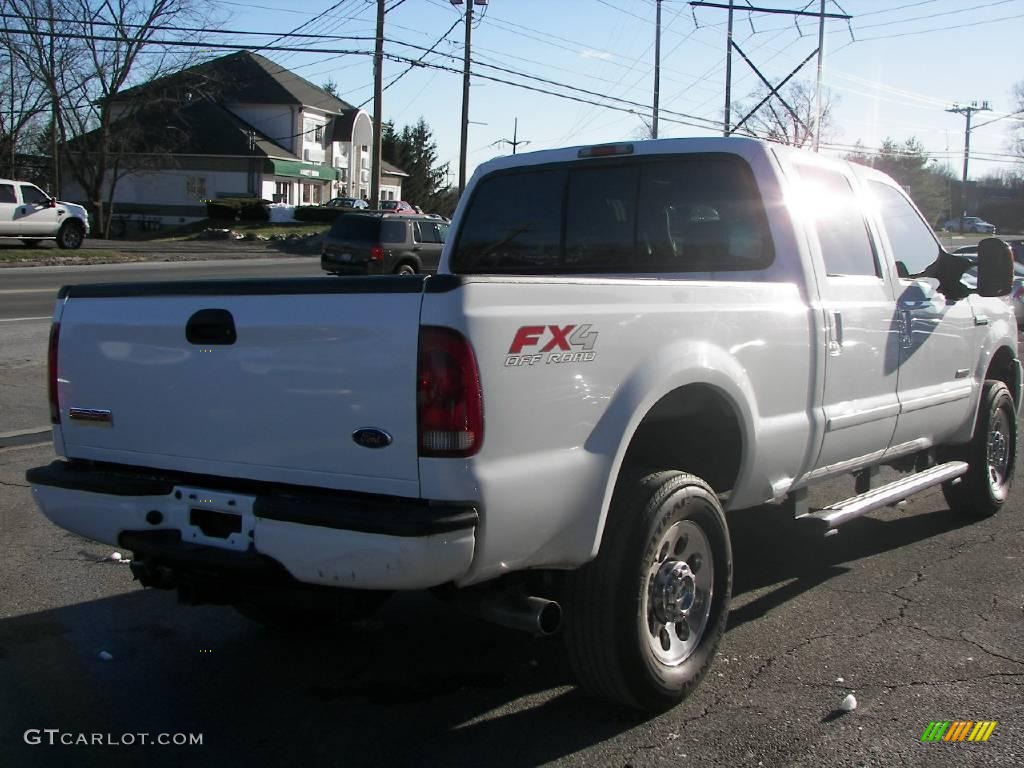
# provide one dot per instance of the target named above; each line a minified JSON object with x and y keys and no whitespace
{"x":211,"y":326}
{"x":835,"y":344}
{"x":906,"y":324}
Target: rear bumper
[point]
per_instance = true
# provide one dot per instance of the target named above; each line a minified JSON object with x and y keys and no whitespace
{"x":331,"y":263}
{"x":341,"y":540}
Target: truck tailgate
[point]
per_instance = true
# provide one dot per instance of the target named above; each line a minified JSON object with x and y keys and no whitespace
{"x":312,"y":361}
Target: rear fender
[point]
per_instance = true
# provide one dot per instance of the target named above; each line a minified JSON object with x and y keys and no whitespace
{"x":679,"y":365}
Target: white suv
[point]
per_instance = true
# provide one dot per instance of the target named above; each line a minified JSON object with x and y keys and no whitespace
{"x":28,"y":213}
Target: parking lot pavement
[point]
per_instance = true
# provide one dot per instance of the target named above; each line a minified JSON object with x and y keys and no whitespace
{"x":918,"y":612}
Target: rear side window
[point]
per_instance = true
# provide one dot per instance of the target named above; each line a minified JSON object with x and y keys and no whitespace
{"x":428,"y":232}
{"x":913,"y":246}
{"x":846,"y":246}
{"x":364,"y":229}
{"x":696,"y":213}
{"x":7,"y":193}
{"x":393,"y":231}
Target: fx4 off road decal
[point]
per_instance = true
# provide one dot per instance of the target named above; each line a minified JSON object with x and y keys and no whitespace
{"x":551,"y":344}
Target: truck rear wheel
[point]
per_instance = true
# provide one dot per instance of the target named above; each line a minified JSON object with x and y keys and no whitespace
{"x":991,"y":456}
{"x":645,"y":616}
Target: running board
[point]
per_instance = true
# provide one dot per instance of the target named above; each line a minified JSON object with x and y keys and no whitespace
{"x":834,"y":515}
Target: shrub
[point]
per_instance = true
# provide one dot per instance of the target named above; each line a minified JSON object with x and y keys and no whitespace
{"x":318,"y":213}
{"x":238,"y":208}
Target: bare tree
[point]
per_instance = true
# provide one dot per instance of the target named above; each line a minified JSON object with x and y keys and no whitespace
{"x":789,"y":117}
{"x":85,"y":54}
{"x":25,"y":101}
{"x":1017,"y":131}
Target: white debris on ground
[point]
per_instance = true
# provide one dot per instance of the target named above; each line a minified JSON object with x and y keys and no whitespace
{"x":106,"y":656}
{"x":116,"y":556}
{"x":840,"y":680}
{"x":849,"y":703}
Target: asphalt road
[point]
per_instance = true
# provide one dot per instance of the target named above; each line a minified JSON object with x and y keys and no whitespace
{"x":918,"y":611}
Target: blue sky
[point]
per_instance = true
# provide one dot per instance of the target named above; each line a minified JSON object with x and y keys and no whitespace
{"x":904,"y":63}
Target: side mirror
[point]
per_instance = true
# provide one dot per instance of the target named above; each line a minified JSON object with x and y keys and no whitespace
{"x":52,"y":203}
{"x":995,"y":267}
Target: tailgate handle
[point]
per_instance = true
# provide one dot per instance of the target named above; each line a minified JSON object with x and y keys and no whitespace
{"x":211,"y":326}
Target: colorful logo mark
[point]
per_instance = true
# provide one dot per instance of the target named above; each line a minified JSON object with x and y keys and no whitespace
{"x":959,"y":730}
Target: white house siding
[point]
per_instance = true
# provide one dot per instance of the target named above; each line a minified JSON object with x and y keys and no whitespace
{"x":173,"y":195}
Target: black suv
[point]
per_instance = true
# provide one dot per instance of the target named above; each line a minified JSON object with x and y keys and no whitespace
{"x":382,"y":244}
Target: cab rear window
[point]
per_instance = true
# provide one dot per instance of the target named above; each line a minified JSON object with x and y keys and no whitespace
{"x":699,"y":213}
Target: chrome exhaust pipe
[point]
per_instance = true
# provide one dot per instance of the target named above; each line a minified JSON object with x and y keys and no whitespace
{"x":535,"y":615}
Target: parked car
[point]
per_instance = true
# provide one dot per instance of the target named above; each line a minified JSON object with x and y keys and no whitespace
{"x":399,"y":206}
{"x":1016,"y":297}
{"x":28,"y":213}
{"x":347,"y":202}
{"x":382,"y":244}
{"x":970,"y":224}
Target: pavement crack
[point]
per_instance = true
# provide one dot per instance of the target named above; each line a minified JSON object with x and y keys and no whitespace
{"x":14,"y":485}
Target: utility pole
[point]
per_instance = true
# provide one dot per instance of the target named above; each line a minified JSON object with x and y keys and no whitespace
{"x":726,"y":129}
{"x":657,"y":72}
{"x":967,"y":112}
{"x":54,"y":130}
{"x":378,"y":108}
{"x":514,"y":141}
{"x":465,"y":90}
{"x":821,"y":66}
{"x":10,"y":130}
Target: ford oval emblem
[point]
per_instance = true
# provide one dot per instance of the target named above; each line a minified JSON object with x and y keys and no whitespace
{"x":369,"y":437}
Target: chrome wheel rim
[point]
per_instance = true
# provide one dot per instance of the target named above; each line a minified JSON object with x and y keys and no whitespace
{"x":999,"y":454}
{"x":677,"y":600}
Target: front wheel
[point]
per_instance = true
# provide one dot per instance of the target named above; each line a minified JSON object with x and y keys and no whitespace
{"x":405,"y":269}
{"x":70,"y":235}
{"x":991,"y":456}
{"x":644,"y":618}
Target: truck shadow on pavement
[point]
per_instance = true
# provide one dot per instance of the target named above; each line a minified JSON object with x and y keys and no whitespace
{"x":419,"y":684}
{"x":768,"y":549}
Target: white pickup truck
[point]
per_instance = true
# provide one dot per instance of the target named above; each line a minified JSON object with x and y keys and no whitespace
{"x":28,"y":213}
{"x":622,"y":344}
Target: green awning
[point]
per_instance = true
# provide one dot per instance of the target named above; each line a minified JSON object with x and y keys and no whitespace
{"x":299,"y":169}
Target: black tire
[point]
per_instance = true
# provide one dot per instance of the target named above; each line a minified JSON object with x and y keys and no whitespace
{"x":991,"y":455}
{"x":70,"y":235}
{"x":339,"y":608}
{"x":405,"y":268}
{"x":31,"y":243}
{"x":612,"y":620}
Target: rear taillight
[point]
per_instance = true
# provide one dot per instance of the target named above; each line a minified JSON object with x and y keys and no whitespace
{"x":376,"y":253}
{"x":450,"y":409}
{"x":51,"y":369}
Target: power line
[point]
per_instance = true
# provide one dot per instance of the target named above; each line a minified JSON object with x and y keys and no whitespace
{"x":419,"y":61}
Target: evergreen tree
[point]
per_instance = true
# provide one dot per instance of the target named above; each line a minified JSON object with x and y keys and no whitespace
{"x":929,"y":186}
{"x":415,"y":152}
